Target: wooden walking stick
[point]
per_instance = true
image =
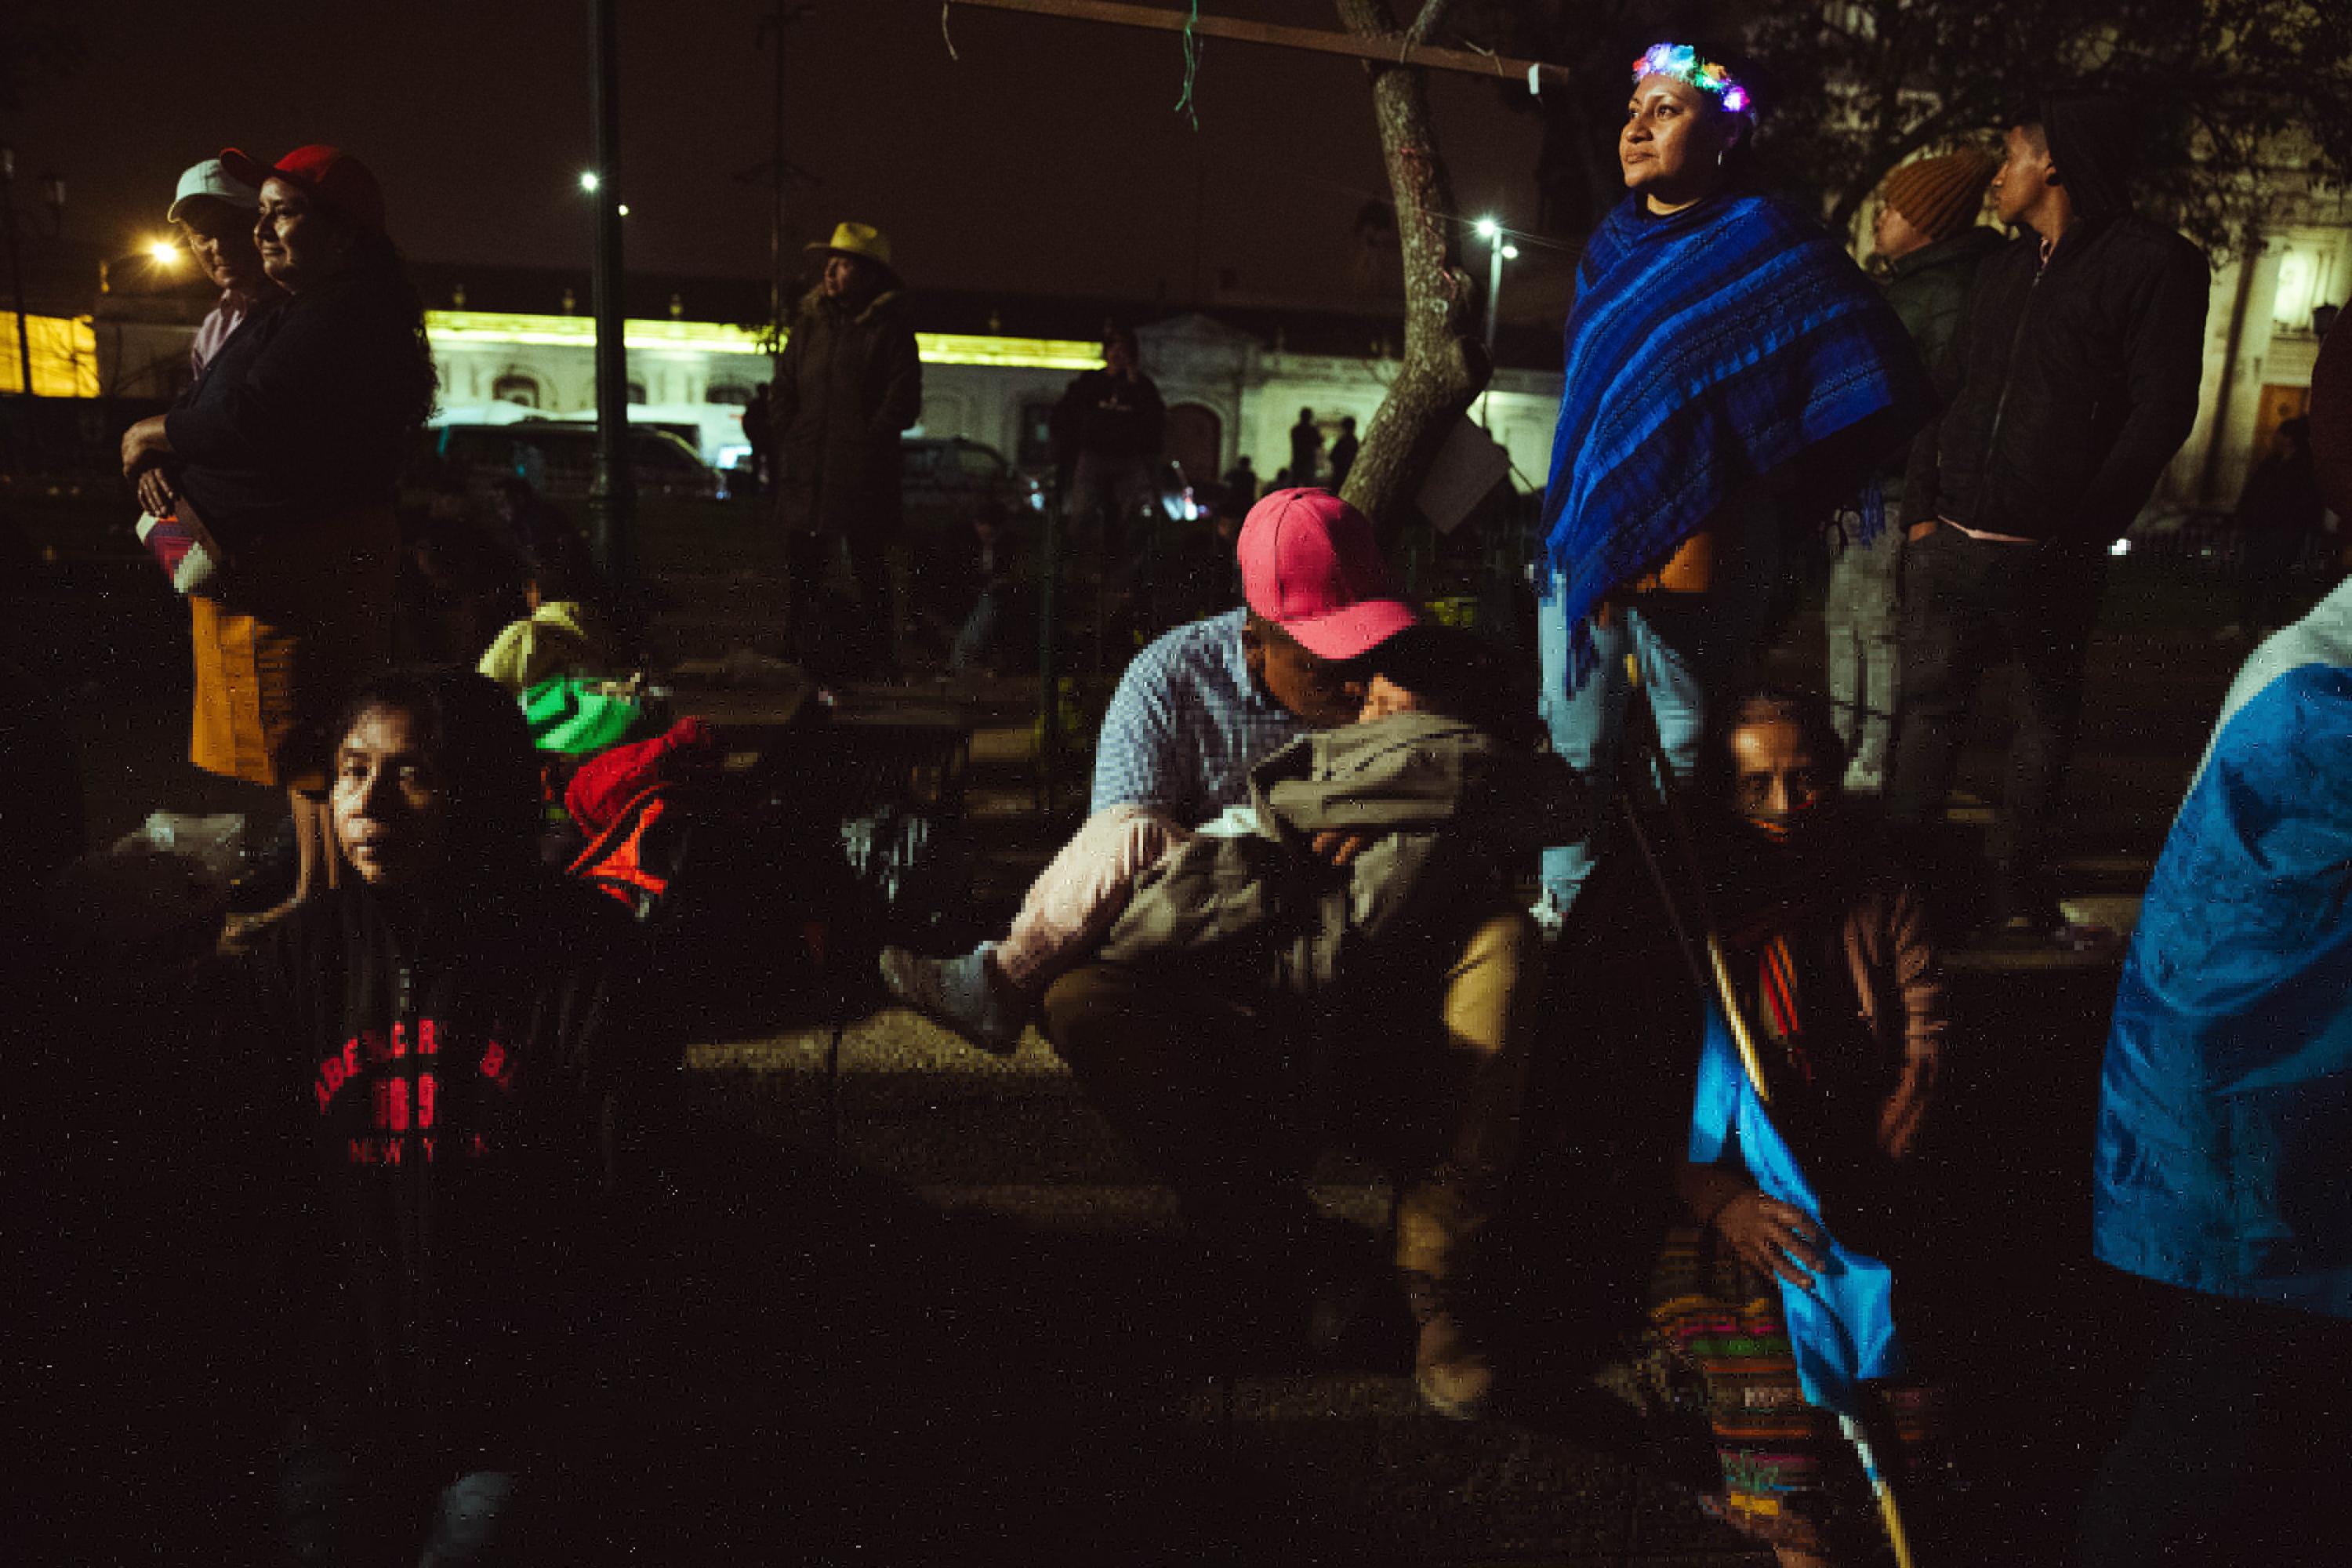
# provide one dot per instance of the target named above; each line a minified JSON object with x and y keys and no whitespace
{"x":1718,"y":971}
{"x":1881,"y":1488}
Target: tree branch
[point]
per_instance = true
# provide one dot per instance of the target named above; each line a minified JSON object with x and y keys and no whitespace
{"x":1444,"y":367}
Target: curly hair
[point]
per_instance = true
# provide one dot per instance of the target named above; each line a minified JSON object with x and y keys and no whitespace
{"x":417,"y":379}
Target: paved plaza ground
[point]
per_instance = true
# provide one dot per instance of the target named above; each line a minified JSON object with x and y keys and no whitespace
{"x":920,"y":1305}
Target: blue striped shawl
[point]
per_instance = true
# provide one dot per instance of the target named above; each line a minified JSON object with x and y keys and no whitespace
{"x":1705,"y":350}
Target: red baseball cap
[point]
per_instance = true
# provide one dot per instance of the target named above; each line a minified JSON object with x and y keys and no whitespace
{"x":1309,"y":566}
{"x":328,"y":173}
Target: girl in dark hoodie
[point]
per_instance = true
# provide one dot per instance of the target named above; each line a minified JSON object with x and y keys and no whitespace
{"x":437,"y":1046}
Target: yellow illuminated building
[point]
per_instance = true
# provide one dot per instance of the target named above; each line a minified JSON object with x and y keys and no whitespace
{"x":488,"y":329}
{"x":64,"y":350}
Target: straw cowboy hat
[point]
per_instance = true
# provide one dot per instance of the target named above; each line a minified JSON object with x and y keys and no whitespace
{"x":861,"y":240}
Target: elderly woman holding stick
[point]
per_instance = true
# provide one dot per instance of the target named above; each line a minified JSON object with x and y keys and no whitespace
{"x":285,"y":454}
{"x":1824,"y":952}
{"x":1727,"y":366}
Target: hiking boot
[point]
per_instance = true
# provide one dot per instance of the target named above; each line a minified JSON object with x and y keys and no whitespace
{"x":962,"y":993}
{"x":1452,"y":1370}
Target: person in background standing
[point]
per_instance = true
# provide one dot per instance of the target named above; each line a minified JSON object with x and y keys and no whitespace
{"x":287,"y":451}
{"x":760,"y":430}
{"x":2278,"y":510}
{"x":1306,"y":451}
{"x":1241,"y":486}
{"x":1107,"y":428}
{"x":2071,"y":383}
{"x":214,"y":213}
{"x":1688,"y":434}
{"x":1927,"y":233}
{"x":850,"y":383}
{"x":1343,"y":452}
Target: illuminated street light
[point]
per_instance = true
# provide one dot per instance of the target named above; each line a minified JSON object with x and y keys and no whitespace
{"x":623,"y":209}
{"x":165,"y":253}
{"x":588,"y":180}
{"x":1499,"y":249}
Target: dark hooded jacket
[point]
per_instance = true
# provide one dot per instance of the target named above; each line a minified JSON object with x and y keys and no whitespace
{"x":2070,"y":383}
{"x":1929,"y":291}
{"x":305,"y":411}
{"x":450,"y":1081}
{"x":1108,"y":416}
{"x":847,"y":386}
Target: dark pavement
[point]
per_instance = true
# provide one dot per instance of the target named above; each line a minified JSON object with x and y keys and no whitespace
{"x":928,"y":1309}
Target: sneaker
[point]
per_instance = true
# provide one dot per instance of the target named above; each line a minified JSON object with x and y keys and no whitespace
{"x":1550,"y":918}
{"x":1862,"y":780}
{"x":963,"y":994}
{"x":1452,"y":1370}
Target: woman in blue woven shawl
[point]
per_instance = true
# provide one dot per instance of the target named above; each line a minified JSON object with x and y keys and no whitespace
{"x":1728,"y":366}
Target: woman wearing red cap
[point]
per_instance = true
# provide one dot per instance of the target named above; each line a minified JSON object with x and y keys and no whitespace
{"x":286,"y":451}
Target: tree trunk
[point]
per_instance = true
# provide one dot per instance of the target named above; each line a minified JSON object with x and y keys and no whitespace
{"x":1445,"y":364}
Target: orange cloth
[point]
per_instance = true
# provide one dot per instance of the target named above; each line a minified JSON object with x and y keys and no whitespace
{"x":301,"y":619}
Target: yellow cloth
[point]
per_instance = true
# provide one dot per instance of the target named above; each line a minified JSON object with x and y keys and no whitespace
{"x":561,"y":637}
{"x":303,"y":616}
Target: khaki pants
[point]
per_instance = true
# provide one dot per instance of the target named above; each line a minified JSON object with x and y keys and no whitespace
{"x":1209,"y":1088}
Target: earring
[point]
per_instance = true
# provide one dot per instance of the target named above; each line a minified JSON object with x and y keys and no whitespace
{"x":1719,"y":158}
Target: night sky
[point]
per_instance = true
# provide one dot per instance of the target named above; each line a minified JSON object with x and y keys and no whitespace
{"x":1046,"y":161}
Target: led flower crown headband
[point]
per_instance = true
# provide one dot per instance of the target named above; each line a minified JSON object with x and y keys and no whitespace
{"x":1682,"y":62}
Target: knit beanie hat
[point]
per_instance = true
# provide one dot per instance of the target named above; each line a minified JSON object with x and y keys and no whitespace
{"x":1941,"y":196}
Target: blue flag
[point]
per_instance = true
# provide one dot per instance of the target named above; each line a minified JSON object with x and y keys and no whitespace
{"x":2225,"y":1106}
{"x":1842,"y":1327}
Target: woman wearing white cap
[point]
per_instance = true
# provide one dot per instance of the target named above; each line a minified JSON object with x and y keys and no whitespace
{"x":214,"y":213}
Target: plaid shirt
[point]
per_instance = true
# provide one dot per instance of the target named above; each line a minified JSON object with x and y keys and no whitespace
{"x":1187,"y":724}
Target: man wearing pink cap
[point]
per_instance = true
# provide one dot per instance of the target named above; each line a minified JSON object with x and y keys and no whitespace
{"x":1193,"y":715}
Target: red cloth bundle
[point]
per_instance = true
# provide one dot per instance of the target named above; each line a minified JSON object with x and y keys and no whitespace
{"x":606,"y":784}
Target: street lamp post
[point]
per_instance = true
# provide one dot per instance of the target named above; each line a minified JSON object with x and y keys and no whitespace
{"x":613,"y":497}
{"x":15,"y":271}
{"x":1499,"y":249}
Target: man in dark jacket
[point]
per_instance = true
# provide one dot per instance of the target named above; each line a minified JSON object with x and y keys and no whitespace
{"x":1306,"y":451}
{"x":437,"y":1054}
{"x":2072,"y":380}
{"x":1107,"y":432}
{"x":850,"y":381}
{"x":1927,"y":233}
{"x":1343,"y":452}
{"x":2278,"y":511}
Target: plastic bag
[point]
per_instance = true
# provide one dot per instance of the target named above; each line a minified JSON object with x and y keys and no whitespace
{"x":216,"y":843}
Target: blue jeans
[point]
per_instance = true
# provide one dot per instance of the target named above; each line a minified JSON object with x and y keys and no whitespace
{"x":977,"y":635}
{"x":1691,"y":647}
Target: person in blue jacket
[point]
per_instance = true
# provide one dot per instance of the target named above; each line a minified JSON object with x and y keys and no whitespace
{"x":2223,"y":1165}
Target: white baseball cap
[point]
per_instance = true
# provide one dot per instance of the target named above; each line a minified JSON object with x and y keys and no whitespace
{"x":212,"y":178}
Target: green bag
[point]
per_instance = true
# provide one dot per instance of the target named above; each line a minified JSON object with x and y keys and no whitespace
{"x":577,"y":716}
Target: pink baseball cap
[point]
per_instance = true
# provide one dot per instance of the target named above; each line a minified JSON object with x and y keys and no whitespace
{"x":1309,"y":566}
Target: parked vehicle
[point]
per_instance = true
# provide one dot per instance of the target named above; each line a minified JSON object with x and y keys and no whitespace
{"x":559,"y":458}
{"x":945,"y":480}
